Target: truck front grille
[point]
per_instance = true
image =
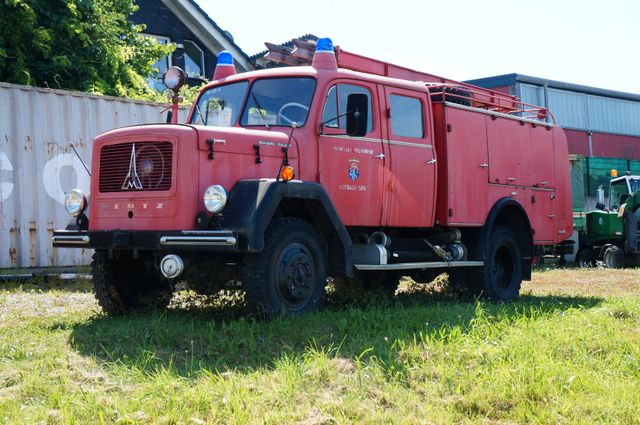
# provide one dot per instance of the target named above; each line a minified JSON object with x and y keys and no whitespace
{"x":136,"y":166}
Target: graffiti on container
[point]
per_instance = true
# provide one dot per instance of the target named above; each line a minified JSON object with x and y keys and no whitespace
{"x":52,"y":172}
{"x":6,"y":177}
{"x":51,"y":176}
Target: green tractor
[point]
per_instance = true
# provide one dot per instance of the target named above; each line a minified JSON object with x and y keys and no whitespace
{"x":612,"y":235}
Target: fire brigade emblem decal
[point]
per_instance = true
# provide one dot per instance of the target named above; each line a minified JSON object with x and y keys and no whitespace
{"x":132,"y":181}
{"x":354,"y":170}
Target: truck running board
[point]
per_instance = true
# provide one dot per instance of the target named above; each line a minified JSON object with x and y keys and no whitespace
{"x":428,"y":265}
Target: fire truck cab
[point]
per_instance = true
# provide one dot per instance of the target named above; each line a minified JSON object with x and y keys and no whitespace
{"x":348,"y":168}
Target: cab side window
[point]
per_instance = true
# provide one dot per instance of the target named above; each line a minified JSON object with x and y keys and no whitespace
{"x":336,"y":105}
{"x":406,"y":116}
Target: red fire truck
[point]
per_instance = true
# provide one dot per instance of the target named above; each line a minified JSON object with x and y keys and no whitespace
{"x":345,"y":167}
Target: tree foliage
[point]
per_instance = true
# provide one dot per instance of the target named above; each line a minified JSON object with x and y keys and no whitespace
{"x":87,"y":45}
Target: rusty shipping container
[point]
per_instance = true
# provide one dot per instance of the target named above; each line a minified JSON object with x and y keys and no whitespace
{"x":38,"y":165}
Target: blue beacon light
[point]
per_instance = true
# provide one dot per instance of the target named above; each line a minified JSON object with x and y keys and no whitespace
{"x":225,"y":58}
{"x":225,"y":66}
{"x":325,"y":57}
{"x":324,"y":45}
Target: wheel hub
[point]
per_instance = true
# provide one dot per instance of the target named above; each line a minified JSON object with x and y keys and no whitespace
{"x":296,"y":275}
{"x":502,"y":268}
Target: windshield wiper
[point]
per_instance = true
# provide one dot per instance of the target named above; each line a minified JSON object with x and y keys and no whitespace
{"x":260,"y":110}
{"x":200,"y":115}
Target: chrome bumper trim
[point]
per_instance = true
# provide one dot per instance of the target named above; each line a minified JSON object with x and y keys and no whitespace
{"x":71,"y":240}
{"x":198,"y":240}
{"x":427,"y":265}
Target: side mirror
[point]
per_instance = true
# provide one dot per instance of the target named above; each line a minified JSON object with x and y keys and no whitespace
{"x":357,"y":115}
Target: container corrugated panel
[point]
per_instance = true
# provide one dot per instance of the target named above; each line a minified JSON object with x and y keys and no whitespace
{"x":38,"y":165}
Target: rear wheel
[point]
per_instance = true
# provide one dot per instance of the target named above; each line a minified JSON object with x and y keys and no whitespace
{"x":289,"y":275}
{"x":613,"y":257}
{"x":124,"y":284}
{"x":501,"y":276}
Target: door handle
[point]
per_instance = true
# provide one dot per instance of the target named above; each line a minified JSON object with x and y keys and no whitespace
{"x":484,"y":165}
{"x":431,"y":161}
{"x":379,"y":156}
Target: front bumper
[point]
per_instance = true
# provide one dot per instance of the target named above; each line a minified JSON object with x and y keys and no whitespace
{"x":218,"y":240}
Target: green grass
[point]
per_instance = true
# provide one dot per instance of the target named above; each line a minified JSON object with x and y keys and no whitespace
{"x":567,"y":351}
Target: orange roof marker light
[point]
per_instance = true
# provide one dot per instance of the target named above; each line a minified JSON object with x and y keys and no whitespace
{"x":614,"y":173}
{"x":225,"y":67}
{"x":325,"y":56}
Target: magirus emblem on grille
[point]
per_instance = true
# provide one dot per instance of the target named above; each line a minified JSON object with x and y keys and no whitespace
{"x":132,"y":181}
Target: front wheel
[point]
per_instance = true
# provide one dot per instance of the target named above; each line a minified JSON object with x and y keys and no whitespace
{"x":501,"y":275}
{"x":613,"y":257}
{"x":289,"y":275}
{"x":123,"y":284}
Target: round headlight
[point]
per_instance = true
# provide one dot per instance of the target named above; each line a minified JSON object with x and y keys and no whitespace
{"x":75,"y":202}
{"x":174,"y":78}
{"x":215,"y":198}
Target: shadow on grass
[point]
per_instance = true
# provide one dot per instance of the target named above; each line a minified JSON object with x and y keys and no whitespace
{"x":46,"y":284}
{"x":220,"y":338}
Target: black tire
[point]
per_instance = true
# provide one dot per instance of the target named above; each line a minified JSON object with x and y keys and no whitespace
{"x":585,"y":258}
{"x":501,"y":276}
{"x":613,"y":258}
{"x":462,"y":281}
{"x":124,"y":285}
{"x":289,"y":275}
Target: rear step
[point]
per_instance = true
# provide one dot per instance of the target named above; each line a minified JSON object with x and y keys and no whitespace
{"x":428,"y":265}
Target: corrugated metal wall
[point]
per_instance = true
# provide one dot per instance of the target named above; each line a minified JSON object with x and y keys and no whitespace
{"x":38,"y":166}
{"x":585,"y":111}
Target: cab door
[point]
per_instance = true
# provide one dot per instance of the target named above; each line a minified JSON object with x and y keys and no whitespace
{"x":352,"y":168}
{"x":411,"y":160}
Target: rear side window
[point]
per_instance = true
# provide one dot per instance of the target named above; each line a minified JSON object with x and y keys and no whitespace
{"x":406,"y":116}
{"x":336,"y":105}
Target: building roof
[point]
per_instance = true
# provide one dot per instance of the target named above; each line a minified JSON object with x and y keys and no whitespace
{"x":216,"y":39}
{"x":254,"y":58}
{"x":511,"y":79}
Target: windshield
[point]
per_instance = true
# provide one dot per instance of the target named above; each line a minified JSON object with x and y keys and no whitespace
{"x":278,"y":101}
{"x":618,"y":193}
{"x":220,"y":106}
{"x":635,"y":185}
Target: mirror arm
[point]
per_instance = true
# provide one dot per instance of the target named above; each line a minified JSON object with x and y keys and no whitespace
{"x":322,"y":124}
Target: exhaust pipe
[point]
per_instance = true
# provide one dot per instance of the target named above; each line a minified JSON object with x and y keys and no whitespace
{"x":380,"y":238}
{"x":171,"y":266}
